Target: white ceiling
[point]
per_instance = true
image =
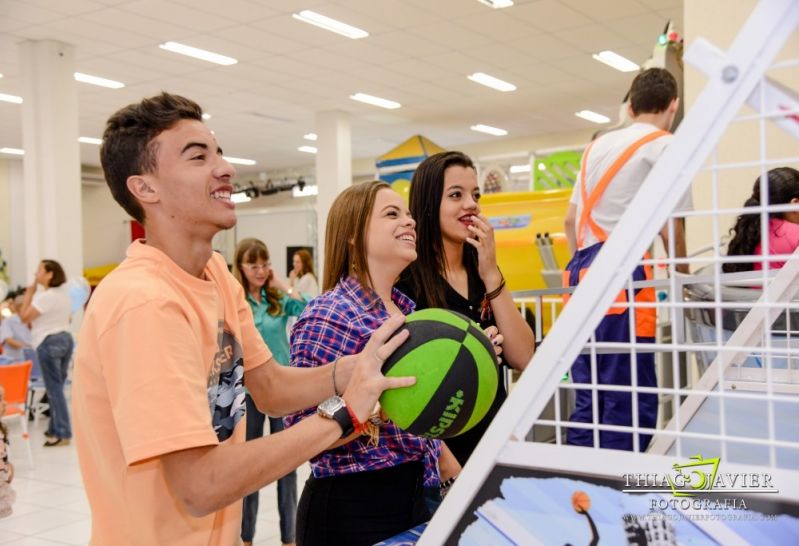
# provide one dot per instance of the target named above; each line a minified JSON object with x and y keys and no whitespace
{"x":419,"y":53}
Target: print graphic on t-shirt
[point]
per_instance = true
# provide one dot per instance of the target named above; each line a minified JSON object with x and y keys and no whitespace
{"x":226,"y":385}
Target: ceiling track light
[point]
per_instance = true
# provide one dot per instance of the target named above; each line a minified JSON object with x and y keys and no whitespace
{"x":321,"y":21}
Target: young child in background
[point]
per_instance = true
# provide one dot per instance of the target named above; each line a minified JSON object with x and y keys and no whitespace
{"x":783,"y":232}
{"x":15,"y":336}
{"x":7,"y":494}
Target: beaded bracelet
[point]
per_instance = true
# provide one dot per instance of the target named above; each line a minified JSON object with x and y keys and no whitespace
{"x":485,"y":308}
{"x":445,"y":485}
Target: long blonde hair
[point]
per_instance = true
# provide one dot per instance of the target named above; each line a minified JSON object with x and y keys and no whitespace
{"x":345,"y":235}
{"x":248,"y":251}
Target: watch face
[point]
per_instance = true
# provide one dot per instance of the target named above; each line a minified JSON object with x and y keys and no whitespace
{"x":331,"y":406}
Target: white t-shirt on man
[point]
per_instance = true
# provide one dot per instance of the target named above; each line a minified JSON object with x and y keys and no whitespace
{"x":606,"y":149}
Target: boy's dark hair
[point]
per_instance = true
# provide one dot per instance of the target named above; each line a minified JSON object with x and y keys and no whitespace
{"x":128,"y":148}
{"x":652,"y":91}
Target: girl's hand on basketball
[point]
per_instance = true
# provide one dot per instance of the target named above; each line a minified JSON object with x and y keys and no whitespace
{"x":496,"y":340}
{"x":368,"y":382}
{"x":482,"y":239}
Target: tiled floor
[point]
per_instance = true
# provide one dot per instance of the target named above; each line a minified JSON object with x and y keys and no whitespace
{"x":51,"y":507}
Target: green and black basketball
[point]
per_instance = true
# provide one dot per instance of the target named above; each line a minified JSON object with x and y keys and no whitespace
{"x":456,"y":375}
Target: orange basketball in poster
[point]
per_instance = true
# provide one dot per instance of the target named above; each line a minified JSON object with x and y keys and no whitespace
{"x":581,"y":502}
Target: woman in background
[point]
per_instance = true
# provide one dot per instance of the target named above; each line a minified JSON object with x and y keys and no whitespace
{"x":302,"y":277}
{"x":48,"y":311}
{"x":783,"y":227}
{"x":272,"y":302}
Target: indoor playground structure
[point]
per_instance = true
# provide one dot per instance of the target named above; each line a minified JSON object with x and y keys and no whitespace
{"x":398,"y":164}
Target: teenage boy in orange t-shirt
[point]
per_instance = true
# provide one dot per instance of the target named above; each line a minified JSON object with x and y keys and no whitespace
{"x":168,"y":342}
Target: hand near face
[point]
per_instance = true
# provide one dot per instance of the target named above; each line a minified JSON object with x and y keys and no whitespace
{"x":482,"y":239}
{"x":273,"y":280}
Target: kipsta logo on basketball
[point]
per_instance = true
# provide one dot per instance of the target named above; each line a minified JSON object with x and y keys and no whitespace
{"x":449,"y":415}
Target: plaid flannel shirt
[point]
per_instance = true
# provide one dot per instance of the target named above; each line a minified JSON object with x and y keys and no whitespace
{"x":339,"y":323}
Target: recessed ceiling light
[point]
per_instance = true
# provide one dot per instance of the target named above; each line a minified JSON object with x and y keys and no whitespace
{"x":10,"y":98}
{"x":517,"y":169}
{"x":238,"y":160}
{"x":1,"y":75}
{"x":496,"y":131}
{"x":491,"y":81}
{"x":310,"y":136}
{"x":90,"y":140}
{"x":319,"y":20}
{"x":12,"y":151}
{"x":206,"y":116}
{"x":375,"y":101}
{"x":96,"y":80}
{"x":307,"y":149}
{"x":592,"y":116}
{"x":622,"y":64}
{"x":240,"y":197}
{"x":497,"y":4}
{"x":198,"y":53}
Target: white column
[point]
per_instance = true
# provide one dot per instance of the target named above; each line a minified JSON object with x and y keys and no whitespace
{"x":52,"y":191}
{"x":333,"y":169}
{"x":17,"y":266}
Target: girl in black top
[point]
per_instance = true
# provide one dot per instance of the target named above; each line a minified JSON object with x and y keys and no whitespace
{"x":456,"y":267}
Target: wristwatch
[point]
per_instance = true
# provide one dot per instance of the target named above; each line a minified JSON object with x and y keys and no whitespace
{"x":336,"y":408}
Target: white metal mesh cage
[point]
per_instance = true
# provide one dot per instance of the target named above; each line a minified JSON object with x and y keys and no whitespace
{"x":727,"y":345}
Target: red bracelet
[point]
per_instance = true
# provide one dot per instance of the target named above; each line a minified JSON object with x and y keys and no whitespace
{"x":356,"y":424}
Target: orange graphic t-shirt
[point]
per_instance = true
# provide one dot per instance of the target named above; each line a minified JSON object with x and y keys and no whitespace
{"x":159,"y":368}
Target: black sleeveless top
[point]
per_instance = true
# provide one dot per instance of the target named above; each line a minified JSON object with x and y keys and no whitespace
{"x":463,"y":445}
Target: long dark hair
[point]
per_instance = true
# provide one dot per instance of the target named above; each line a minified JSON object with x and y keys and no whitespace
{"x":783,"y":186}
{"x":427,"y":188}
{"x":249,"y":251}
